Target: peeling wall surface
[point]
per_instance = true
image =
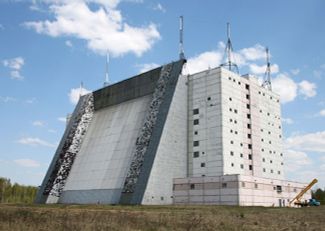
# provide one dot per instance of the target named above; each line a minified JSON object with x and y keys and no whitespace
{"x":113,"y":133}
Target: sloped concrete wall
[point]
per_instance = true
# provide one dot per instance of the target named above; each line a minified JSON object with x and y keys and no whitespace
{"x":99,"y":170}
{"x":171,"y":157}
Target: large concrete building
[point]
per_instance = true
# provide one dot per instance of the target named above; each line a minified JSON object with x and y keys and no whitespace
{"x":161,"y":138}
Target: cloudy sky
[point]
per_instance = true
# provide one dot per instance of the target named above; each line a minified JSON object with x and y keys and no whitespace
{"x":48,"y":47}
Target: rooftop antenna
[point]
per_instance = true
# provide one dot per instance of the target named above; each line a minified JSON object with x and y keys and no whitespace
{"x":267,"y":75}
{"x":106,"y":82}
{"x":181,"y":47}
{"x":81,"y":88}
{"x":228,"y":52}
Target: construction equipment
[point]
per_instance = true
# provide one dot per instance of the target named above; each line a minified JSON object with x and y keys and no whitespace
{"x":297,"y":199}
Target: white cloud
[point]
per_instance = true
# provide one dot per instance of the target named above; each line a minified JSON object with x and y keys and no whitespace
{"x":159,"y":7}
{"x":257,"y":70}
{"x":7,"y":99}
{"x":254,"y":53}
{"x":295,"y":71}
{"x":15,"y":63}
{"x":62,"y":119}
{"x":146,"y":67}
{"x":103,"y":29}
{"x":312,"y":142}
{"x":295,"y":160}
{"x":30,"y":101}
{"x":68,"y":43}
{"x":15,"y":66}
{"x":307,"y":89}
{"x":322,"y":112}
{"x":283,"y":85}
{"x":38,"y":123}
{"x":75,"y":94}
{"x":33,"y":141}
{"x":29,"y":163}
{"x":287,"y":120}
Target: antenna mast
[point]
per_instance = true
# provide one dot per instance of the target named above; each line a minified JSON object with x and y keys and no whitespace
{"x":267,"y":75}
{"x":181,"y":47}
{"x":81,"y":89}
{"x":228,"y":52}
{"x":106,"y":82}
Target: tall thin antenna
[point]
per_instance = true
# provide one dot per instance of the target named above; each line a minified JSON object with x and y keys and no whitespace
{"x":228,"y":52}
{"x":267,"y":75}
{"x":81,"y":88}
{"x":181,"y":47}
{"x":106,"y":82}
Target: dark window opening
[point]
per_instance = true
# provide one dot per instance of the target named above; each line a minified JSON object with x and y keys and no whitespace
{"x":195,"y":132}
{"x":249,"y":136}
{"x":192,"y":186}
{"x":249,"y":146}
{"x":247,"y":86}
{"x":196,"y":122}
{"x":248,"y":106}
{"x":224,"y":185}
{"x":196,"y":143}
{"x":196,"y":154}
{"x":247,"y":96}
{"x":248,"y":116}
{"x":250,"y":167}
{"x":195,"y":111}
{"x":209,"y":98}
{"x":249,"y":126}
{"x":279,"y":188}
{"x":249,"y":156}
{"x":202,"y":165}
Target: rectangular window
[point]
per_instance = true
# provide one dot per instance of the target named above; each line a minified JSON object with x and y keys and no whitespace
{"x":242,"y":166}
{"x":247,"y":86}
{"x":256,"y":185}
{"x":249,"y":126}
{"x":196,"y":122}
{"x":247,"y":96}
{"x":249,"y":136}
{"x":224,"y":185}
{"x":248,"y":106}
{"x":196,"y":143}
{"x":248,"y":116}
{"x":249,"y":146}
{"x":250,"y":167}
{"x":202,"y":165}
{"x":249,"y":156}
{"x":195,"y":111}
{"x":192,"y":186}
{"x":196,"y":154}
{"x":279,"y":188}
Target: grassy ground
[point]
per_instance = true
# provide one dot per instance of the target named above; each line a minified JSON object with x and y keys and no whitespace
{"x":73,"y":217}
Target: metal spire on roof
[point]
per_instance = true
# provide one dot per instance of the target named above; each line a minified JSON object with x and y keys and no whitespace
{"x":106,"y":82}
{"x":81,"y":89}
{"x":181,"y":47}
{"x":228,"y":52}
{"x":267,"y":75}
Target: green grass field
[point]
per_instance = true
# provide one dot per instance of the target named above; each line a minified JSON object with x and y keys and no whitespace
{"x":75,"y":217}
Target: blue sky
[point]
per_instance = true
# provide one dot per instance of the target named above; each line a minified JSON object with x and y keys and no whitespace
{"x":48,"y":47}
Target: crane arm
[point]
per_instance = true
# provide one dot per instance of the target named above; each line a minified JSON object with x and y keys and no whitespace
{"x":298,"y":197}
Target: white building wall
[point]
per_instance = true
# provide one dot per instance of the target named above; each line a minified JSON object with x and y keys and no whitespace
{"x":239,"y":126}
{"x":236,"y":190}
{"x":171,"y":157}
{"x":106,"y":151}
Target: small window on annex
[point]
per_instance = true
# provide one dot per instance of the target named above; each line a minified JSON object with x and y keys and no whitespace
{"x":195,"y":111}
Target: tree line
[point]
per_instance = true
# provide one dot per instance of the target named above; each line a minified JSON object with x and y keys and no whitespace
{"x":319,"y":195}
{"x":16,"y":193}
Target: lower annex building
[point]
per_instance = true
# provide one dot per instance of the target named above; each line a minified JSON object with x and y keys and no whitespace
{"x":162,"y":137}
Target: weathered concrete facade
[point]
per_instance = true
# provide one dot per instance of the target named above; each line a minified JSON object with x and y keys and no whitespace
{"x":161,"y":138}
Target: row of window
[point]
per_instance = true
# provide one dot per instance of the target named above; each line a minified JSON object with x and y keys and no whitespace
{"x":260,"y":93}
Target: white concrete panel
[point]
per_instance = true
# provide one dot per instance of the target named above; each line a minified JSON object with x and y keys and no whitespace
{"x":105,"y":154}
